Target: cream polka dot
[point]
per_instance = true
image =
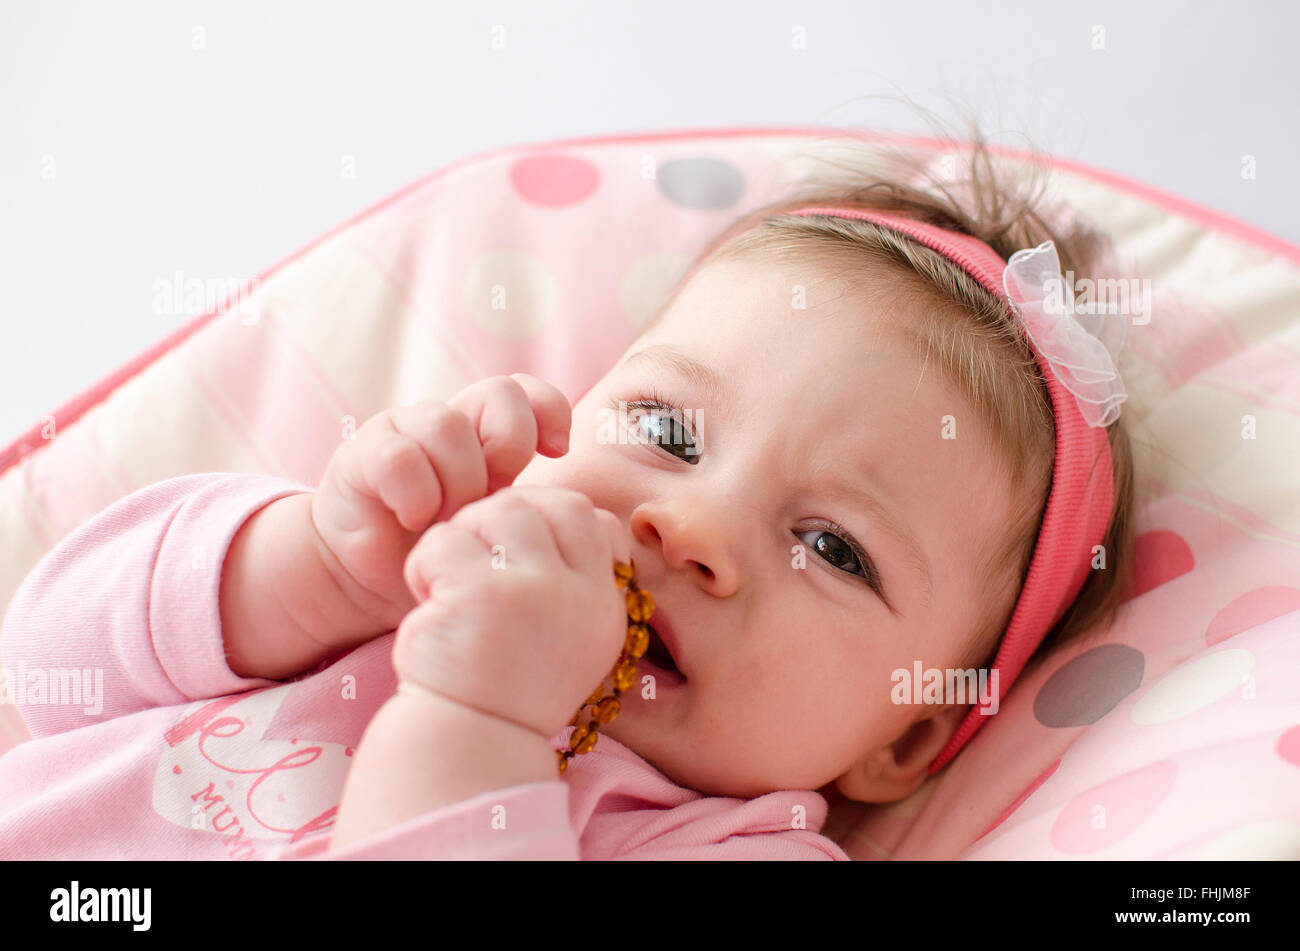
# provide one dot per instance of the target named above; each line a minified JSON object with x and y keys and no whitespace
{"x":826,"y":162}
{"x":509,"y":293}
{"x":647,"y":282}
{"x":1267,"y":841}
{"x":1193,"y":685}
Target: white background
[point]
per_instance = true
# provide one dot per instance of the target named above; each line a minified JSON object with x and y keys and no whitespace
{"x":219,"y":162}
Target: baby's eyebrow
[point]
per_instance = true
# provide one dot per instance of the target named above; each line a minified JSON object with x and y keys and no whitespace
{"x":705,"y":379}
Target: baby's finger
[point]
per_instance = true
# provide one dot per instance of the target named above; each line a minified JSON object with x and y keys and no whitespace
{"x":570,"y":516}
{"x":444,"y":548}
{"x":553,"y":413}
{"x":512,"y":525}
{"x":619,"y":542}
{"x":400,"y":474}
{"x":506,"y":425}
{"x":451,"y":445}
{"x":515,"y":416}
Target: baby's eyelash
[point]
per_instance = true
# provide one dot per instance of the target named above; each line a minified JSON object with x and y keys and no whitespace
{"x":650,"y":398}
{"x":653,"y":399}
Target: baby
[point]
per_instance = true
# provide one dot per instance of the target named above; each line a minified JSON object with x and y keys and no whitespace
{"x":832,"y":461}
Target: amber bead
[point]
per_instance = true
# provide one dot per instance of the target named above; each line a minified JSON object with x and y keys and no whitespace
{"x":625,"y":675}
{"x":638,"y":639}
{"x":639,"y":608}
{"x":607,"y":710}
{"x":589,"y":738}
{"x":640,"y":605}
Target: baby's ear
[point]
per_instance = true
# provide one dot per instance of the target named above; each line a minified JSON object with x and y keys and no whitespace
{"x":897,"y":769}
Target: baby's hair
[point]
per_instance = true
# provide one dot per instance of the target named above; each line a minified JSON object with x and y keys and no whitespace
{"x":969,"y":333}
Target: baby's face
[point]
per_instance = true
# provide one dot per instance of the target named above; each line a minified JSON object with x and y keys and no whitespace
{"x":788,"y":640}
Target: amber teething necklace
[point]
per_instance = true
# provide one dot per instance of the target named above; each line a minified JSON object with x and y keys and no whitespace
{"x":639,"y":608}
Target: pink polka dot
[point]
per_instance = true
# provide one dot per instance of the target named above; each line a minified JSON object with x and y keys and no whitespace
{"x":176,"y":770}
{"x":1288,"y":746}
{"x":554,"y":180}
{"x":1099,"y":817}
{"x":1042,"y":778}
{"x":1253,"y":607}
{"x":1159,"y":557}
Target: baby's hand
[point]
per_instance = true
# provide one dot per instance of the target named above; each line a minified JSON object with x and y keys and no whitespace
{"x":524,"y":631}
{"x":414,"y":465}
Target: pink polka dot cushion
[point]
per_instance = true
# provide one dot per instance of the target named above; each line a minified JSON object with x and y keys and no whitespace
{"x":1175,"y":734}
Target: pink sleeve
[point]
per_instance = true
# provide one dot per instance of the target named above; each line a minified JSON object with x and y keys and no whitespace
{"x":532,"y":821}
{"x":134,"y":593}
{"x":529,"y":821}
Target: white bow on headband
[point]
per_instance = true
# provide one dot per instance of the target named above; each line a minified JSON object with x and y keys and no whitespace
{"x":1080,"y":345}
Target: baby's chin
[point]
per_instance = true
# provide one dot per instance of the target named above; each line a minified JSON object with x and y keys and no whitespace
{"x":627,"y":734}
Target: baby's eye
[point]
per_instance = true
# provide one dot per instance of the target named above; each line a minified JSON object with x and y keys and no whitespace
{"x":835,"y":550}
{"x":842,"y":553}
{"x":665,"y":428}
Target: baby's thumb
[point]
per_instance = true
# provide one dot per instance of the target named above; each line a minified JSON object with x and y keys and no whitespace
{"x":421,"y":565}
{"x":620,"y":542}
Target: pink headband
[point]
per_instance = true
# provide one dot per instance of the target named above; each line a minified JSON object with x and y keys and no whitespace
{"x":1079,"y":503}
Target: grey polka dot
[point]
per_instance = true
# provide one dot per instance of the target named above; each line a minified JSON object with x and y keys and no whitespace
{"x":705,"y":183}
{"x":1089,"y":686}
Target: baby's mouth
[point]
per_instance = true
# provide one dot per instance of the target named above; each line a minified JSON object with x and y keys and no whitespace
{"x":659,"y":655}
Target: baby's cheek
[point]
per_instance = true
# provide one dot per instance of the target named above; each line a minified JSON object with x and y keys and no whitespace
{"x":752,"y":674}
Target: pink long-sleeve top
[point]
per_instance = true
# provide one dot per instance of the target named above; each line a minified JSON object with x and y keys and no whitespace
{"x":147,"y":746}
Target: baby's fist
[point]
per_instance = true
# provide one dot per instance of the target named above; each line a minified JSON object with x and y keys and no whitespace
{"x":414,"y":465}
{"x":520,"y":616}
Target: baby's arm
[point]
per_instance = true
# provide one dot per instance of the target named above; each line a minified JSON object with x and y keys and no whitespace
{"x":422,"y":752}
{"x":285,"y":605}
{"x":125,"y":608}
